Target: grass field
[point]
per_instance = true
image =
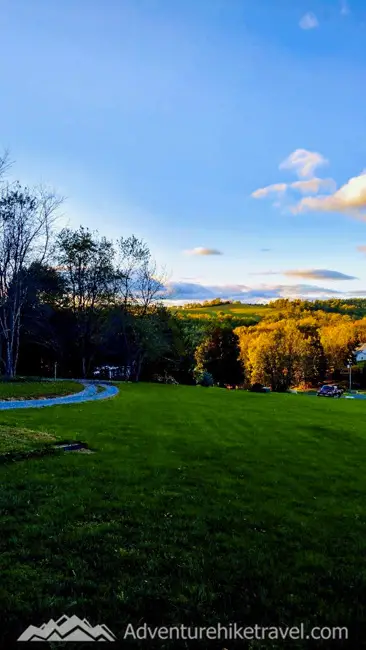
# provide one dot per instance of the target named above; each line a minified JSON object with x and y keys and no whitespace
{"x":257,"y":311}
{"x":37,"y":390}
{"x":18,"y":439}
{"x":199,"y":506}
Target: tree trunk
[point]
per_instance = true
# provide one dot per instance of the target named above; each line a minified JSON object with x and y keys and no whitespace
{"x":138,"y":369}
{"x":9,"y":364}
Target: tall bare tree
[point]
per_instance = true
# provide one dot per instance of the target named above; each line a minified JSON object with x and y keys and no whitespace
{"x":26,"y":219}
{"x":4,"y":163}
{"x":139,"y":282}
{"x":138,"y":287}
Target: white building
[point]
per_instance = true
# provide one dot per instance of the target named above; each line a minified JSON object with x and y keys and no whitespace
{"x":360,"y":353}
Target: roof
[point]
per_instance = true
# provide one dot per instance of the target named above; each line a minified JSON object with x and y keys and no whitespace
{"x":361,"y":348}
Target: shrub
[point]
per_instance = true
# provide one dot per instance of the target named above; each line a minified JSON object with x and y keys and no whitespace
{"x":204,"y":378}
{"x":257,"y":388}
{"x":168,"y":379}
{"x":165,"y":379}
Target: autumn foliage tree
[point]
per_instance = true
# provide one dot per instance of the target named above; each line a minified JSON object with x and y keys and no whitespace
{"x":339,"y":341}
{"x":274,"y":354}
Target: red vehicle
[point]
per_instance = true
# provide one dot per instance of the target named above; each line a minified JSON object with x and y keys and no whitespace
{"x":330,"y":391}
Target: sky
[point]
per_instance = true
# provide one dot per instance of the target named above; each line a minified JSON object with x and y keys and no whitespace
{"x":173,"y":120}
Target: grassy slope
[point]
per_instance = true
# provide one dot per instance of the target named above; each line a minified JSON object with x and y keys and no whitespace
{"x":37,"y":390}
{"x":200,"y":506}
{"x":19,"y":439}
{"x":235,"y":310}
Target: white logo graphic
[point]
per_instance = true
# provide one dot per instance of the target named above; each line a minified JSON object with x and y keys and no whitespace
{"x":67,"y":629}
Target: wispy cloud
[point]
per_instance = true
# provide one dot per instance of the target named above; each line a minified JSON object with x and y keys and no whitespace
{"x":185,"y":292}
{"x":265,"y":250}
{"x":277,"y":188}
{"x":309,"y":21}
{"x":203,"y":251}
{"x":310,"y":274}
{"x":345,"y":10}
{"x":303,"y":162}
{"x":313,"y":185}
{"x":361,"y":249}
{"x":310,"y":186}
{"x":350,"y":198}
{"x":319,"y":274}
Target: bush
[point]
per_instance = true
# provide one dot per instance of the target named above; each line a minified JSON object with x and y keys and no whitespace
{"x":165,"y":379}
{"x":204,"y":378}
{"x":257,"y":388}
{"x":22,"y":380}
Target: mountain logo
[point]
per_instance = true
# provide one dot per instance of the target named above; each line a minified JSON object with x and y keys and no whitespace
{"x":67,"y":629}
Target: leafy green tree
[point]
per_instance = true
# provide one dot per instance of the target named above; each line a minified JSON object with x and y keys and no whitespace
{"x":86,"y":263}
{"x":40,"y":336}
{"x":219,"y":355}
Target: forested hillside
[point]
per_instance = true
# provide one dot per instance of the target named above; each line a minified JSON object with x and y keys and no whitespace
{"x":285,"y":343}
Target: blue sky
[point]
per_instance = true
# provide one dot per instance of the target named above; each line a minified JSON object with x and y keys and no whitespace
{"x":161,"y":118}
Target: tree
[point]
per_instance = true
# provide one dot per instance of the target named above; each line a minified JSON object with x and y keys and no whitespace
{"x":191,"y":332}
{"x":138,"y":281}
{"x":26,"y":219}
{"x":136,"y":293}
{"x":86,"y":264}
{"x":40,"y":337}
{"x":275,"y":353}
{"x":360,"y":330}
{"x":339,"y":341}
{"x":148,"y":339}
{"x":135,"y":341}
{"x":315,"y":364}
{"x":219,"y":355}
{"x":133,"y":254}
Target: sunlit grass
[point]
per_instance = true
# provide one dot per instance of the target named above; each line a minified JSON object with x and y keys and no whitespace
{"x":37,"y":390}
{"x":199,"y":505}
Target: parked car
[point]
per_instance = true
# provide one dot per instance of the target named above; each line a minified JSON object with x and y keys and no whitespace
{"x":330,"y":391}
{"x":112,"y":372}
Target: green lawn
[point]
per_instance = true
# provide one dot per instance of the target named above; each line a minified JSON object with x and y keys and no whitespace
{"x":243,"y":310}
{"x":37,"y":390}
{"x":19,"y":439}
{"x":200,"y":506}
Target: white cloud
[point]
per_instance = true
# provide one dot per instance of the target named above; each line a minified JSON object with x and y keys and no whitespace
{"x":319,"y":274}
{"x":303,"y":162}
{"x":313,"y":185}
{"x":309,"y":21}
{"x":180,"y":292}
{"x":203,"y":251}
{"x":310,"y":274}
{"x":278,"y":188}
{"x":310,"y":186}
{"x":350,"y":198}
{"x":361,"y":249}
